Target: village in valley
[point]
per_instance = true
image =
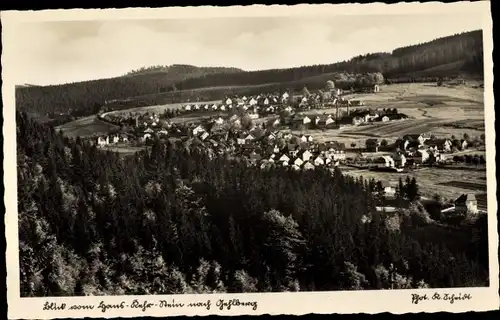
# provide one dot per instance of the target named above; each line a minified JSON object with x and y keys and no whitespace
{"x":368,"y":173}
{"x":331,"y":128}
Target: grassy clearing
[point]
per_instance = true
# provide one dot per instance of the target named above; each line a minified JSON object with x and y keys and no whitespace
{"x":431,"y":180}
{"x":124,"y":150}
{"x":86,"y":127}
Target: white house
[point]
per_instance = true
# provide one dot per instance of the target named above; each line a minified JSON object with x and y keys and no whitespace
{"x":296,"y":167}
{"x":222,"y":108}
{"x":303,"y":138}
{"x":102,"y":141}
{"x":424,"y":155}
{"x":116,"y":139}
{"x":249,"y":137}
{"x":319,"y":161}
{"x":385,"y":119}
{"x":229,"y":101}
{"x":339,"y":155}
{"x":198,"y":130}
{"x":187,"y":107}
{"x":148,"y":130}
{"x":308,"y":166}
{"x":306,"y":120}
{"x":252,"y":102}
{"x":214,"y":107}
{"x":284,"y":158}
{"x":163,"y":132}
{"x":317,"y":120}
{"x":329,"y":120}
{"x":146,"y":136}
{"x":466,"y":203}
{"x":204,"y":135}
{"x":240,"y":141}
{"x":298,"y":162}
{"x":306,"y":155}
{"x":196,"y":107}
{"x":389,"y":191}
{"x":219,"y":120}
{"x":389,"y":161}
{"x":276,"y":122}
{"x":357,"y":120}
{"x":284,"y":96}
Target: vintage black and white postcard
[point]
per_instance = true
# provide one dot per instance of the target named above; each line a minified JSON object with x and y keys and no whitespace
{"x":250,"y":160}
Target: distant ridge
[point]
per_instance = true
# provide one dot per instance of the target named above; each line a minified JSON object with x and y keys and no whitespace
{"x":26,"y":85}
{"x":456,"y":55}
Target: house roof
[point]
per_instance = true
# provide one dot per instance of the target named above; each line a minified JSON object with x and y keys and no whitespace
{"x":466,"y":197}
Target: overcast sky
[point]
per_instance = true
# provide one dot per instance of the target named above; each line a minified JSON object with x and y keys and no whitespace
{"x":61,"y":52}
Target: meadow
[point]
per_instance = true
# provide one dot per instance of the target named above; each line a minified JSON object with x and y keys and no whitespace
{"x":442,"y":111}
{"x":87,"y":127}
{"x":449,"y":184}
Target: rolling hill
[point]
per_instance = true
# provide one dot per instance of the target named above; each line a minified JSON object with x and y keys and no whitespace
{"x":456,"y":55}
{"x":85,"y":98}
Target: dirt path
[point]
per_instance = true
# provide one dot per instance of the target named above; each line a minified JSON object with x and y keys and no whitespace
{"x":425,"y":113}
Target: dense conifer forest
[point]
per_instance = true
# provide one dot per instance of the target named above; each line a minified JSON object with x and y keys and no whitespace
{"x":173,"y":219}
{"x":449,"y":56}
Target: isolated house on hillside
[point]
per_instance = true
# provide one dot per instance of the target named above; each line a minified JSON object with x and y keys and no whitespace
{"x":466,"y":204}
{"x":357,"y":120}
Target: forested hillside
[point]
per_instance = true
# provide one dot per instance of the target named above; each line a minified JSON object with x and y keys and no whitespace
{"x":85,"y":98}
{"x":465,"y":47}
{"x":172,"y":220}
{"x":462,"y":53}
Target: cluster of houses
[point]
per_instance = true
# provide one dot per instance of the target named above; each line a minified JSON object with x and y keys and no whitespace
{"x":268,"y":148}
{"x":414,"y":150}
{"x":112,"y":139}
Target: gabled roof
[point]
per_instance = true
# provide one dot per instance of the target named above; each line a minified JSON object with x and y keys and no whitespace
{"x":466,"y":197}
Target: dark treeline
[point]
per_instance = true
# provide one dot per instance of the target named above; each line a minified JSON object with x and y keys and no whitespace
{"x":182,"y":69}
{"x":455,"y":54}
{"x":403,"y":61}
{"x":85,"y":98}
{"x":173,"y":220}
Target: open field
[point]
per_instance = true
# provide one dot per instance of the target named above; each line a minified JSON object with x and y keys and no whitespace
{"x":159,"y":108}
{"x":433,"y":180}
{"x":123,"y":150}
{"x":442,"y":111}
{"x":86,"y":127}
